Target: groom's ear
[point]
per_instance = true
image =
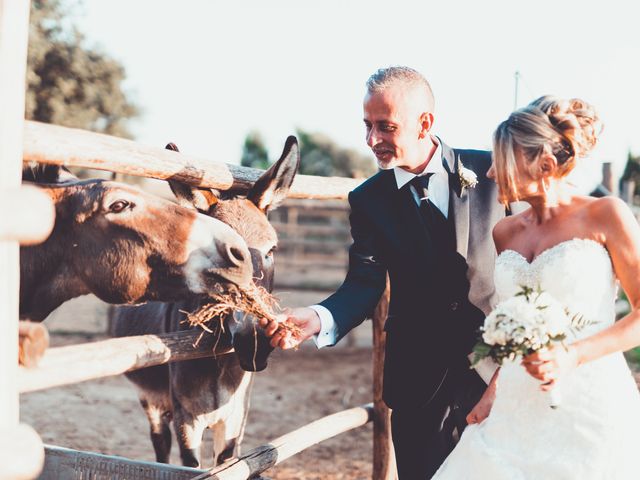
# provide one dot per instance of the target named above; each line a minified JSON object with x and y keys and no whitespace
{"x":426,"y":122}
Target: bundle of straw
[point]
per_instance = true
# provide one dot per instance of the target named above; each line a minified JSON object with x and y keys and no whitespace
{"x":253,"y":300}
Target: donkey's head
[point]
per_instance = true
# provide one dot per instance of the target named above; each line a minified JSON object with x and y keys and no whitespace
{"x":125,"y":246}
{"x":248,"y":216}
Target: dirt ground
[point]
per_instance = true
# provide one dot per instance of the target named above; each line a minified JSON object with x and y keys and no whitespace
{"x":298,"y":387}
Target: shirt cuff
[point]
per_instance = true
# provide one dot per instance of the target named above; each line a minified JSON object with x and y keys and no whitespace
{"x":328,"y":328}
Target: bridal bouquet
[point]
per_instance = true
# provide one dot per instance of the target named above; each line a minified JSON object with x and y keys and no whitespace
{"x":530,"y":321}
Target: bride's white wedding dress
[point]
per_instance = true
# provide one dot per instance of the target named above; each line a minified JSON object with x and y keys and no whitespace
{"x":593,"y":434}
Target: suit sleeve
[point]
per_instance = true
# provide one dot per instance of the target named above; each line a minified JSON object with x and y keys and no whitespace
{"x":360,"y":292}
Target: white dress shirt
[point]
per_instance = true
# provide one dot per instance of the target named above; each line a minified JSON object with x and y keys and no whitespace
{"x":438,"y":195}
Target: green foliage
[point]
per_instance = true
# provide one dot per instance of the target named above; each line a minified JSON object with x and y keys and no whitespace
{"x":68,"y":83}
{"x":633,"y":357}
{"x":319,"y":155}
{"x":254,"y":152}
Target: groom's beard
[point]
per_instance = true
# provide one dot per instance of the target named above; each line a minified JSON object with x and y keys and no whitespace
{"x":386,"y":156}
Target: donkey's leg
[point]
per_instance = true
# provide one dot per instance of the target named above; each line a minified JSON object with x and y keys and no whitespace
{"x":230,"y":451}
{"x":189,"y":432}
{"x":159,"y":417}
{"x":232,"y":427}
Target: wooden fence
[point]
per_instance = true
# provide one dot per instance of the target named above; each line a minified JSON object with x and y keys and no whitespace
{"x":313,"y":241}
{"x":30,"y":219}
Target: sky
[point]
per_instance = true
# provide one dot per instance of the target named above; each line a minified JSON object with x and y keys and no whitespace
{"x":206,"y":73}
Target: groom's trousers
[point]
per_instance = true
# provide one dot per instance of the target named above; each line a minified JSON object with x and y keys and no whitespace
{"x":424,"y":436}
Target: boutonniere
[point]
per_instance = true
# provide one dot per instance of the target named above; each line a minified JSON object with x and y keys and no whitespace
{"x":468,"y":178}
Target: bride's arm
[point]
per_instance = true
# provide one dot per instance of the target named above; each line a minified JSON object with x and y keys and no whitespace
{"x":621,"y":237}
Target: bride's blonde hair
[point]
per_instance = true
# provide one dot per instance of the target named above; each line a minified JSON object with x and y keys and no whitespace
{"x":568,"y":129}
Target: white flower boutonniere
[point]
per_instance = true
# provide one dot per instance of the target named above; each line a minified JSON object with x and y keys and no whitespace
{"x":468,"y":178}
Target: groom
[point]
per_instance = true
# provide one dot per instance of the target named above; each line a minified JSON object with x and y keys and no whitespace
{"x":426,"y":220}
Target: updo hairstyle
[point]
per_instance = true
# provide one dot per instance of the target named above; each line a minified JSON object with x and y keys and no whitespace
{"x":568,"y":129}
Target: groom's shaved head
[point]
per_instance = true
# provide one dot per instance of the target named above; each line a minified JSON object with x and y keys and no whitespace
{"x":419,"y":87}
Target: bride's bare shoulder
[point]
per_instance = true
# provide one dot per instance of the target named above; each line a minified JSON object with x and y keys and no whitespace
{"x":505,"y":229}
{"x":606,"y":208}
{"x":608,"y":219}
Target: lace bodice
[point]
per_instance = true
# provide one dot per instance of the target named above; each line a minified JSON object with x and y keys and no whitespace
{"x":578,"y":273}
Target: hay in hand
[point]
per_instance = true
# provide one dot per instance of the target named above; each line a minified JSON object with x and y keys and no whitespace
{"x":253,"y":300}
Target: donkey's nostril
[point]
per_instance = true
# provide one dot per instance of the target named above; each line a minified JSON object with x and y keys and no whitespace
{"x":236,"y":255}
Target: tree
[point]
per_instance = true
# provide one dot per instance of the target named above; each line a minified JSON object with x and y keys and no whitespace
{"x":254,"y":152}
{"x":68,"y":83}
{"x":319,"y":155}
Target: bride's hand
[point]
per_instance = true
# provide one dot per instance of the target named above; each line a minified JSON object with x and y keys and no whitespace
{"x":483,"y":407}
{"x":481,"y":410}
{"x":549,"y":365}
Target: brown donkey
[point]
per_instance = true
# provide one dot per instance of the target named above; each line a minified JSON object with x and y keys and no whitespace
{"x":124,"y":246}
{"x":214,"y":392}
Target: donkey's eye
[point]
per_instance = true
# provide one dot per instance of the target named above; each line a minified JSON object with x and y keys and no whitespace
{"x":271,"y":252}
{"x":118,"y":206}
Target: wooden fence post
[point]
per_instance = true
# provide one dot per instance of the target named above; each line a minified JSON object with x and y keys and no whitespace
{"x":608,"y":178}
{"x":21,"y":451}
{"x":384,"y":462}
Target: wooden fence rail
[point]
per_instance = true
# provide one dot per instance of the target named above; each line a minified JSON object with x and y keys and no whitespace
{"x":89,"y":361}
{"x":72,"y":147}
{"x":264,"y":457}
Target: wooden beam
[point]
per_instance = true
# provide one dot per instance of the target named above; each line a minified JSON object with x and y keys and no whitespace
{"x":14,"y":30}
{"x":264,"y":457}
{"x":72,"y":147}
{"x":67,"y":463}
{"x":88,"y":361}
{"x":384,"y":462}
{"x":27,"y":215}
{"x":34,"y":341}
{"x":21,"y":453}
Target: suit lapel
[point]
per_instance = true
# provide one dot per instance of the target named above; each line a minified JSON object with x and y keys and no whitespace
{"x":459,"y":199}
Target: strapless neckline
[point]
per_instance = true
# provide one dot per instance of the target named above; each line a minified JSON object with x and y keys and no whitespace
{"x":554,"y":248}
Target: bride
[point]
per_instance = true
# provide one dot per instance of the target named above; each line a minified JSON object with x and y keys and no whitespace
{"x":576,"y":248}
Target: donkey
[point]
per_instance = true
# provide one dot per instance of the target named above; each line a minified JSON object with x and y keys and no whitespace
{"x":124,"y":246}
{"x":213,"y":392}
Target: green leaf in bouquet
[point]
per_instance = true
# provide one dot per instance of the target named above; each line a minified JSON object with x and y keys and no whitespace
{"x":480,"y":351}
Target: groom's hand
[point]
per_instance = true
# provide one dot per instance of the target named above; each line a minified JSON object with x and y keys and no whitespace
{"x":305,"y":319}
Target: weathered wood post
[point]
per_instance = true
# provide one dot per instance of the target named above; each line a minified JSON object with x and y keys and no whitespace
{"x":21,"y":450}
{"x":384,"y":463}
{"x":608,"y":178}
{"x":628,"y":191}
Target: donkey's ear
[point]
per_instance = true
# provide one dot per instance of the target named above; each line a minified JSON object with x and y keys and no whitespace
{"x":272,"y":187}
{"x":202,"y":199}
{"x":47,"y":174}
